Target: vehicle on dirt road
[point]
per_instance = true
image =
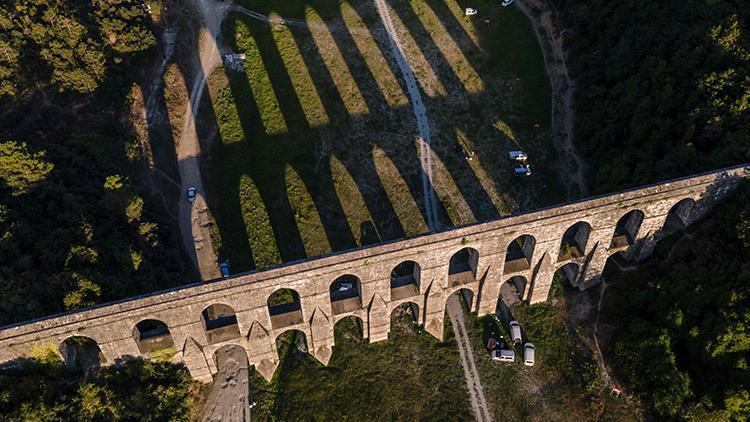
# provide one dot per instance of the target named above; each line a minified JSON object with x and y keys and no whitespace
{"x":517,"y":156}
{"x":191,"y":191}
{"x":470,"y":12}
{"x":224,"y":266}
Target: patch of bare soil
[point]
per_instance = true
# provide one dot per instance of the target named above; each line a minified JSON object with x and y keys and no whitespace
{"x":550,"y":35}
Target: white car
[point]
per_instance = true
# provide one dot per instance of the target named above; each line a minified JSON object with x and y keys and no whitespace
{"x":191,"y":194}
{"x":515,"y":331}
{"x":528,"y":354}
{"x":506,"y":3}
{"x":470,"y":11}
{"x":519,"y":156}
{"x":503,"y":355}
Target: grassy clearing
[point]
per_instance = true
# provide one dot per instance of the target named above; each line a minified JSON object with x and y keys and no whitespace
{"x":318,"y":132}
{"x":409,"y":377}
{"x":564,"y":384}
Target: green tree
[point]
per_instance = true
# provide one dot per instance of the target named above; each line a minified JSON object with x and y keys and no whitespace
{"x":21,"y":169}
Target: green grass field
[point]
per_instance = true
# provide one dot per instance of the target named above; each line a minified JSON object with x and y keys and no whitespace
{"x":316,"y":148}
{"x":411,"y":376}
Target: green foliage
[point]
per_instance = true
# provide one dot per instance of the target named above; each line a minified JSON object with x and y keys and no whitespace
{"x":67,"y":45}
{"x":685,"y":322}
{"x":138,"y":390}
{"x":21,"y":169}
{"x":663,"y":88}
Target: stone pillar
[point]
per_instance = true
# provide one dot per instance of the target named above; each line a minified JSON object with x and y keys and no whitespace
{"x":647,"y":236}
{"x":260,"y":351}
{"x":489,"y":290}
{"x":378,"y":319}
{"x":596,"y":259}
{"x":119,"y":349}
{"x":195,"y":361}
{"x":541,"y":279}
{"x":321,"y":336}
{"x":434,"y":310}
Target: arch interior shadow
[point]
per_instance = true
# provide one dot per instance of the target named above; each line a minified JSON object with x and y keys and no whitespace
{"x":462,"y":268}
{"x":573,"y":244}
{"x":405,"y":278}
{"x":346,"y":294}
{"x":569,"y":272}
{"x":678,"y":217}
{"x":519,"y":254}
{"x":285,"y":308}
{"x":220,"y":323}
{"x":626,"y":231}
{"x":152,"y":335}
{"x":81,"y":353}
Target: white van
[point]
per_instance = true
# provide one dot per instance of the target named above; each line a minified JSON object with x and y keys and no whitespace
{"x":528,"y":354}
{"x":515,"y":331}
{"x":503,"y":355}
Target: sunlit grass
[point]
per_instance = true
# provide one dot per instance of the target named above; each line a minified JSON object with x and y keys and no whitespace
{"x":399,"y":195}
{"x":452,"y":53}
{"x":306,"y":215}
{"x":352,"y":202}
{"x":258,"y":227}
{"x":340,"y":72}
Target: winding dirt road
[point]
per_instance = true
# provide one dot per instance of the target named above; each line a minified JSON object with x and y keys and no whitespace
{"x":195,"y":217}
{"x":550,"y":37}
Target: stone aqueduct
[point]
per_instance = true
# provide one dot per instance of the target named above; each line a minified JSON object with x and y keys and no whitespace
{"x":575,"y":239}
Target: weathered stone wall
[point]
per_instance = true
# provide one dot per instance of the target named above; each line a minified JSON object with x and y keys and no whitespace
{"x":111,"y":326}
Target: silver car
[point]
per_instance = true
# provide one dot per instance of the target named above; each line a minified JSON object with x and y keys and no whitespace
{"x":528,"y":354}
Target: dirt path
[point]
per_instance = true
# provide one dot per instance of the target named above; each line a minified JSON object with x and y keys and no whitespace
{"x":194,"y":217}
{"x":473,"y":382}
{"x":550,"y":38}
{"x":228,"y":399}
{"x":599,"y":355}
{"x":420,"y":113}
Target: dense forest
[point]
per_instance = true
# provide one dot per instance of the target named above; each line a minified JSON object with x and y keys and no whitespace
{"x":663,"y":90}
{"x":662,"y":87}
{"x":78,"y":226}
{"x":77,"y":229}
{"x":684,"y":339}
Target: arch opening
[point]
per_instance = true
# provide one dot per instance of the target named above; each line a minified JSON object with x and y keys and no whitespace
{"x":348,"y":330}
{"x":626,"y":231}
{"x":230,"y":359}
{"x":679,"y":216}
{"x":519,"y":254}
{"x":405,"y":279}
{"x":574,"y":240}
{"x":152,"y":335}
{"x":512,"y":291}
{"x":462,"y":268}
{"x":291,"y":342}
{"x":220,"y":323}
{"x":569,"y":272}
{"x":81,"y":353}
{"x":464,"y":298}
{"x":285,"y":308}
{"x":405,"y":311}
{"x":346,"y":294}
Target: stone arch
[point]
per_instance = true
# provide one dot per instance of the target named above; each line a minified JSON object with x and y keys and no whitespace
{"x":291,"y":337}
{"x":467,"y":296}
{"x":220,"y":323}
{"x":574,"y":240}
{"x":152,"y":335}
{"x":345,"y":294}
{"x":405,"y":279}
{"x":512,"y":291}
{"x":569,"y":272}
{"x":405,"y":309}
{"x":81,"y":353}
{"x":462,"y":267}
{"x":344,"y":327}
{"x":519,"y":253}
{"x":229,"y":358}
{"x":679,"y":216}
{"x":626,"y":230}
{"x":284,"y":308}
